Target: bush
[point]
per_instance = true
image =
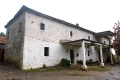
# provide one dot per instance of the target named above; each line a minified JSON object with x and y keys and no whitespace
{"x":80,"y":62}
{"x":64,"y":62}
{"x":44,"y":66}
{"x":90,"y":60}
{"x":87,"y":61}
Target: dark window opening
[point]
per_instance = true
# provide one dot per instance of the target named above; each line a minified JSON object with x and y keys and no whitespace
{"x":71,"y":33}
{"x":88,"y":53}
{"x":19,"y":27}
{"x":88,"y":37}
{"x":46,"y":51}
{"x":8,"y":35}
{"x":104,"y":42}
{"x":42,"y":26}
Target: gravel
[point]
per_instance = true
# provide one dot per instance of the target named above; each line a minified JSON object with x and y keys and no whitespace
{"x":12,"y":73}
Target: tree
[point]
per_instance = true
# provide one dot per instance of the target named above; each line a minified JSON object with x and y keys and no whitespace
{"x":2,"y":34}
{"x":116,"y":39}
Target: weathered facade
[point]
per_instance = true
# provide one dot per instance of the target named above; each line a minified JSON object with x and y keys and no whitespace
{"x":34,"y":39}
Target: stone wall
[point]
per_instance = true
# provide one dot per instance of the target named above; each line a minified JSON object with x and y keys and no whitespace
{"x":14,"y":41}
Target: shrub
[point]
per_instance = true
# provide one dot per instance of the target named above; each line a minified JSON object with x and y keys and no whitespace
{"x":90,"y":60}
{"x":64,"y":62}
{"x":87,"y":61}
{"x":44,"y":66}
{"x":80,"y":62}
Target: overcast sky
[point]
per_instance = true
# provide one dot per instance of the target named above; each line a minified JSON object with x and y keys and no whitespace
{"x":95,"y":15}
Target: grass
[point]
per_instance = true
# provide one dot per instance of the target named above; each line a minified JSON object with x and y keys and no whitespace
{"x":78,"y":74}
{"x":98,"y":69}
{"x":42,"y":69}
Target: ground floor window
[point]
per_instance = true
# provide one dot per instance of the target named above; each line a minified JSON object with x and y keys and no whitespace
{"x":88,"y":53}
{"x":46,"y":51}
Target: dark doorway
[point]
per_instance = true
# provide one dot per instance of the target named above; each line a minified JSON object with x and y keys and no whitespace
{"x":1,"y":55}
{"x":99,"y":56}
{"x":72,"y":55}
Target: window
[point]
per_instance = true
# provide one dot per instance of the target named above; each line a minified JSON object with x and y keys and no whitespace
{"x":104,"y":42}
{"x":19,"y":27}
{"x":88,"y":53}
{"x":46,"y":51}
{"x":71,"y":33}
{"x":8,"y":35}
{"x":42,"y":26}
{"x":88,"y":37}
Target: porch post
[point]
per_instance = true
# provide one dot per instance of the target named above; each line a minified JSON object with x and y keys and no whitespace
{"x":84,"y":66}
{"x":101,"y":55}
{"x":111,"y":56}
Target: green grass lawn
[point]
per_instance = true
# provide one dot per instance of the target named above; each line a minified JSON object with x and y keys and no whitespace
{"x":98,"y":69}
{"x":42,"y":69}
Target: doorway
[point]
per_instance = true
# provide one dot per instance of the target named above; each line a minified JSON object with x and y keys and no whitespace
{"x":1,"y":55}
{"x":72,"y":55}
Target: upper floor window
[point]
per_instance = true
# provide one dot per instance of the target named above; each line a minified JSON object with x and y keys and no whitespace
{"x":71,"y":34}
{"x":88,"y":37}
{"x":19,"y":27}
{"x":104,"y":42}
{"x":8,"y":35}
{"x":42,"y":26}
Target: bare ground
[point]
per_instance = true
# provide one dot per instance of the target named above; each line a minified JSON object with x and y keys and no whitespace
{"x":12,"y":73}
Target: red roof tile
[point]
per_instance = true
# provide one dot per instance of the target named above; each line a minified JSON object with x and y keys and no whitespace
{"x":2,"y":40}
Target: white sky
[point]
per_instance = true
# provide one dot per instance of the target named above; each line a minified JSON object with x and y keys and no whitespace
{"x":95,"y":15}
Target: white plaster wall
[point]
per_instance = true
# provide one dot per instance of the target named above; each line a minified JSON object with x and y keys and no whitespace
{"x":104,"y":39}
{"x":33,"y":56}
{"x":93,"y":55}
{"x":54,"y":31}
{"x":35,"y":40}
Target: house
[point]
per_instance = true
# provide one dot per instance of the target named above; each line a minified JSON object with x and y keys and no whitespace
{"x":2,"y":48}
{"x":34,"y":39}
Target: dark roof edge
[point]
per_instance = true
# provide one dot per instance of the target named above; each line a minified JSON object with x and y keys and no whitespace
{"x":16,"y":16}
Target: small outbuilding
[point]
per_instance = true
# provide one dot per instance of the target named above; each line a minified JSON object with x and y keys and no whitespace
{"x":2,"y":48}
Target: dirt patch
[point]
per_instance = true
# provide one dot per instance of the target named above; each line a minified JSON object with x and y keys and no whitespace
{"x":12,"y":73}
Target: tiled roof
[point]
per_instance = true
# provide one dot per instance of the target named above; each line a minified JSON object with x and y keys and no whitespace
{"x":2,"y":40}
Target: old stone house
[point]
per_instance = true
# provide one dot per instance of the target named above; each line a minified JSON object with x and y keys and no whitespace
{"x":34,"y":39}
{"x":2,"y":48}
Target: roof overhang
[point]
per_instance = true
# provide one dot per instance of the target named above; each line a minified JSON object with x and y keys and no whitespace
{"x":105,"y":34}
{"x":78,"y":42}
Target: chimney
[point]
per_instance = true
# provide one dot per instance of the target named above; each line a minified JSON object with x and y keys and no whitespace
{"x":77,"y":24}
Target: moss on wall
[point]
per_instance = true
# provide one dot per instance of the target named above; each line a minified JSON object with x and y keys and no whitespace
{"x":13,"y":61}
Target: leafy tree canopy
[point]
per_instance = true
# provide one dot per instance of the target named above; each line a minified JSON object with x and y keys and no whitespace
{"x":2,"y":34}
{"x":116,"y":40}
